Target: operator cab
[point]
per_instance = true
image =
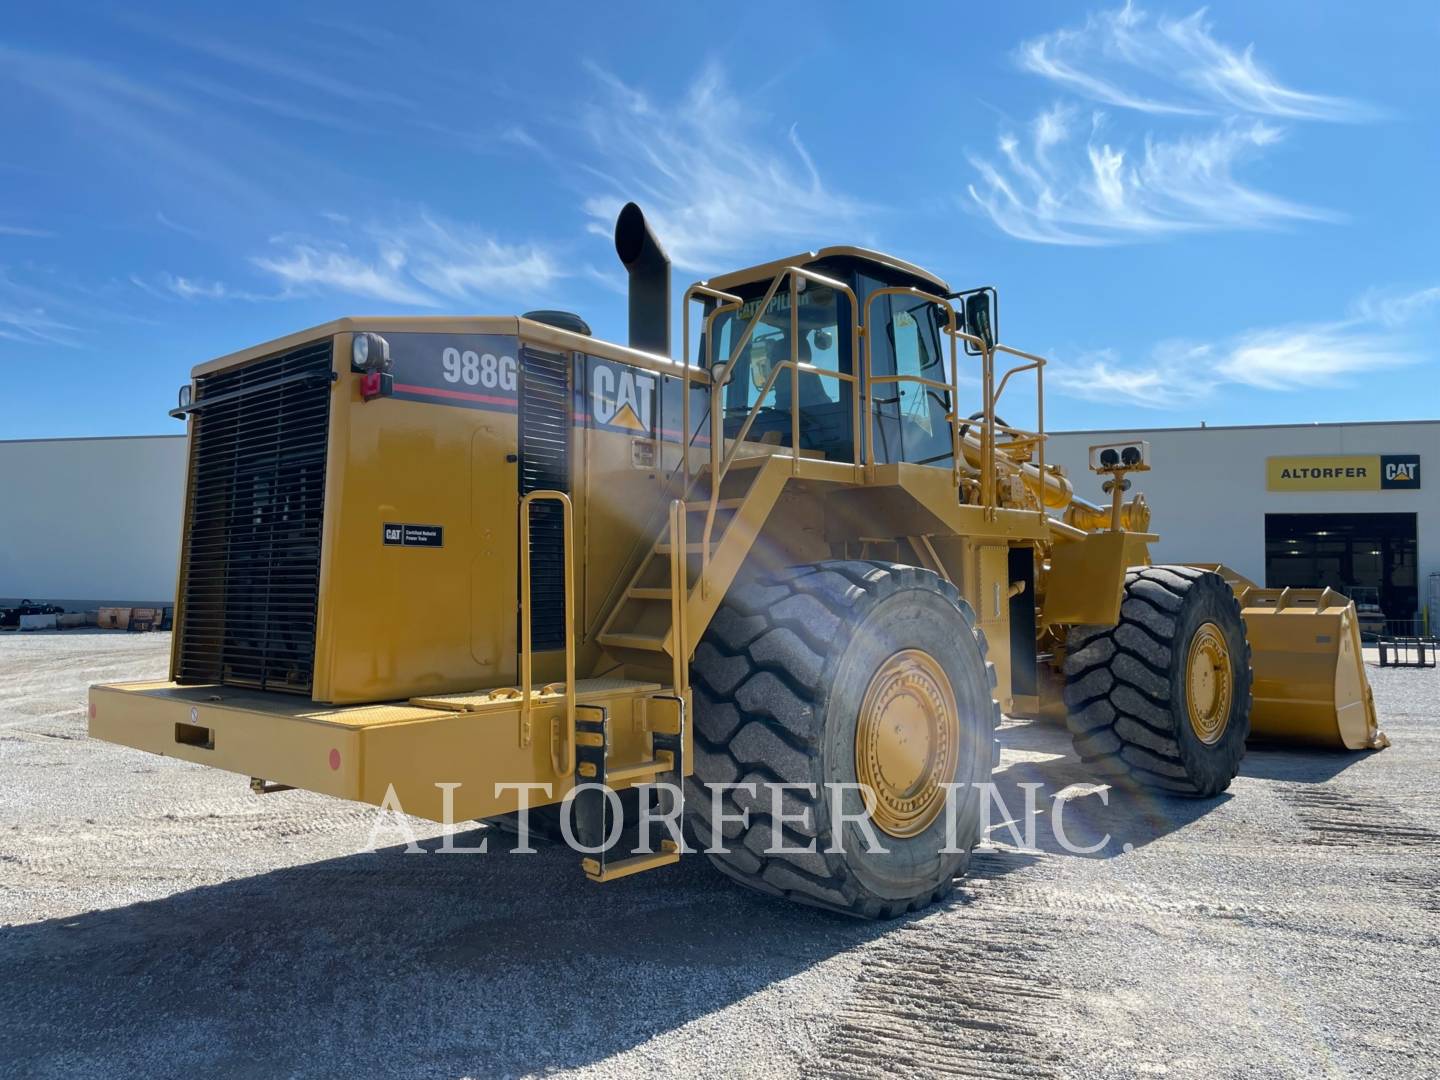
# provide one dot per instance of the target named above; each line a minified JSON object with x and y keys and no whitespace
{"x":909,"y":418}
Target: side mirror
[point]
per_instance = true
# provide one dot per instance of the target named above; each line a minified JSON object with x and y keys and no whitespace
{"x":981,"y":317}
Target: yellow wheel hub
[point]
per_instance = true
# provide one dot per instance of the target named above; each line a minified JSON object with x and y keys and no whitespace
{"x":1208,"y":684}
{"x":907,"y":742}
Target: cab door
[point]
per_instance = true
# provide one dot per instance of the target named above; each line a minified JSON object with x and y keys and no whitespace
{"x":914,"y":334}
{"x":909,"y":419}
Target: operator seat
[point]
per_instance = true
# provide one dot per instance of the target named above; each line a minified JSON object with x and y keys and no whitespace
{"x":812,"y":390}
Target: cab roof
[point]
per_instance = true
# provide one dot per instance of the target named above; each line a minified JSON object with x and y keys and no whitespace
{"x":766,"y":271}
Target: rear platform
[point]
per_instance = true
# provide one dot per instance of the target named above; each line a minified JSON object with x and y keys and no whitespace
{"x":364,"y":752}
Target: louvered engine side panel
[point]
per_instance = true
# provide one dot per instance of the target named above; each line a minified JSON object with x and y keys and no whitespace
{"x":545,"y":465}
{"x":250,"y":569}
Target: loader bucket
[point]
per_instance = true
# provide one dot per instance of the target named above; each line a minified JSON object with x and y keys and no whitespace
{"x":1309,"y":683}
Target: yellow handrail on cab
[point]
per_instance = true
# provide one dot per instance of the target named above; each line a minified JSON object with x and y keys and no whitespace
{"x":1036,"y":364}
{"x":728,"y":302}
{"x":679,"y":598}
{"x":720,"y":466}
{"x":862,"y":398}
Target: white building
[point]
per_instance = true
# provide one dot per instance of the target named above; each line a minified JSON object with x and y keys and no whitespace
{"x":98,"y":520}
{"x":91,"y":521}
{"x":1343,"y":505}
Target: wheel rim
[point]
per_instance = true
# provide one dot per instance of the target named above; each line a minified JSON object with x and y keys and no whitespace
{"x":1208,"y":685}
{"x":907,"y":742}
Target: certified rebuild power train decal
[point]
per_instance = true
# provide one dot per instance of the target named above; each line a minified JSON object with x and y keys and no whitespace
{"x":484,"y":371}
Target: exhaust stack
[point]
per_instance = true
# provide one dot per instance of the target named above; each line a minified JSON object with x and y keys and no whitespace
{"x":649,"y":269}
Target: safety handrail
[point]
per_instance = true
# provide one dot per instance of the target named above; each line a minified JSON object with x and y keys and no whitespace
{"x":729,"y":302}
{"x":562,"y":748}
{"x":863,"y":380}
{"x":679,"y":599}
{"x":719,"y":466}
{"x":1037,"y":365}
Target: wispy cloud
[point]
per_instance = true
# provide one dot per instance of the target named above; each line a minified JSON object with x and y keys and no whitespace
{"x":174,"y":226}
{"x":1374,"y":337}
{"x":284,"y":108}
{"x":139,"y":121}
{"x":1163,"y":65}
{"x":35,"y":326}
{"x":717,"y":178}
{"x":1076,"y":175}
{"x":421,"y":262}
{"x":278,"y":67}
{"x":177,"y":286}
{"x":305,"y":268}
{"x":1390,"y":308}
{"x":27,"y":316}
{"x":23,"y":230}
{"x":1061,"y":185}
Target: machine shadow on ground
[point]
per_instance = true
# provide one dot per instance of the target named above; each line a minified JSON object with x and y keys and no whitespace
{"x":1299,"y":766}
{"x":1099,"y":819}
{"x":394,"y":964}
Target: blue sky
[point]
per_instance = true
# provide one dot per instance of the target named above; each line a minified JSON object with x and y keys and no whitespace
{"x":1224,"y":215}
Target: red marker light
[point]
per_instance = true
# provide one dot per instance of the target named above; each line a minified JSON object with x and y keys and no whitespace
{"x":376,"y":384}
{"x":334,"y":759}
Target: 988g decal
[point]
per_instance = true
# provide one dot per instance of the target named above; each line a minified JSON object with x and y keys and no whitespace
{"x":478,"y":369}
{"x":468,"y":371}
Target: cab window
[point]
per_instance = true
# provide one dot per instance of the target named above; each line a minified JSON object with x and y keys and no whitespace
{"x":915,"y":334}
{"x":823,"y":319}
{"x":909,"y":419}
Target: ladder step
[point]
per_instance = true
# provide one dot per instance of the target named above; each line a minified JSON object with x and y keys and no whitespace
{"x":633,"y":641}
{"x":641,"y":770}
{"x":635,"y":864}
{"x":649,"y":594}
{"x":701,"y":505}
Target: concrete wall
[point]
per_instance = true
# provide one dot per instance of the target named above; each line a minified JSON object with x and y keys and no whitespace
{"x":1207,"y":488}
{"x":91,"y":520}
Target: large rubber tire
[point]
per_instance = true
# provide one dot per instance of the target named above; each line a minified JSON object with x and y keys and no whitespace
{"x":779,"y":679}
{"x":1126,"y":685}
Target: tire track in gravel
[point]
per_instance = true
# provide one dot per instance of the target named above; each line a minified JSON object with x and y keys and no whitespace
{"x":1337,"y":817}
{"x":1419,"y":887}
{"x":966,"y":991}
{"x":1374,"y":826}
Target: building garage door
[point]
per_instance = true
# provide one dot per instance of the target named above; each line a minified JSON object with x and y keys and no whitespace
{"x":1343,"y":551}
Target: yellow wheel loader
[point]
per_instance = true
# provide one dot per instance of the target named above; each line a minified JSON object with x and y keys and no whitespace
{"x":783,"y":582}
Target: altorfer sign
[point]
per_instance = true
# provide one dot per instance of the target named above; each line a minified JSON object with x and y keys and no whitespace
{"x":1344,"y":472}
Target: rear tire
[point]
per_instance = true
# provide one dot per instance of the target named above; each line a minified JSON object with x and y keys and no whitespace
{"x":780,"y":679}
{"x":1163,"y":697}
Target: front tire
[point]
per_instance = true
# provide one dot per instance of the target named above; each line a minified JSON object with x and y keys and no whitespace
{"x":1162,"y":698}
{"x":843,"y":673}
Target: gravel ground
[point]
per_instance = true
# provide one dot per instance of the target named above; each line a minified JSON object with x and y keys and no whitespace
{"x":158,"y":919}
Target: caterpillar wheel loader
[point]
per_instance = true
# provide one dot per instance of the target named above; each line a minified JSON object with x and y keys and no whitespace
{"x":464,"y":566}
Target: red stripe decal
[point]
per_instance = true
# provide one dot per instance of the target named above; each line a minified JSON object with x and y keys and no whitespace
{"x":463,"y":395}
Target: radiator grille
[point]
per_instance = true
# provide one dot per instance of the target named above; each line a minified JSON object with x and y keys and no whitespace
{"x":545,"y":465}
{"x":251,"y":561}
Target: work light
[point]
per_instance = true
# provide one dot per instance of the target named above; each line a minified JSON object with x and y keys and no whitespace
{"x":369,"y":352}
